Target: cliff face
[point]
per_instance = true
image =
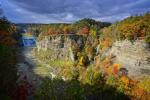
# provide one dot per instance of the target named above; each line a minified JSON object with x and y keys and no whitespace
{"x":59,"y":48}
{"x":135,"y":57}
{"x":62,"y":47}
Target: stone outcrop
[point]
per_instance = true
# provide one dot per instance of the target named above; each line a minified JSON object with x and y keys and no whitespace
{"x":134,"y":56}
{"x":62,"y":47}
{"x":58,"y":47}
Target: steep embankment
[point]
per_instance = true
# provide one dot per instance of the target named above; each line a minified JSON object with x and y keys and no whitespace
{"x":135,"y":56}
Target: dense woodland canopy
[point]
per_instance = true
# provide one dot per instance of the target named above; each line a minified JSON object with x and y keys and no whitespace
{"x":84,"y":26}
{"x":86,"y":78}
{"x":132,"y":28}
{"x":6,"y":32}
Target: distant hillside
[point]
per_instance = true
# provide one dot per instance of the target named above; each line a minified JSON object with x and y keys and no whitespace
{"x":91,"y":22}
{"x":83,"y":26}
{"x":85,"y":21}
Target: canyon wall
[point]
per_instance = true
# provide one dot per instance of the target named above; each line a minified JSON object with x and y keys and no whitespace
{"x":134,"y":56}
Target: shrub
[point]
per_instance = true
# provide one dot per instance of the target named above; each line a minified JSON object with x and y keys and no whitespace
{"x":145,"y":84}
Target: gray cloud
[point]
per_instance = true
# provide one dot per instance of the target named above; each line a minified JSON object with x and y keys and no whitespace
{"x":71,"y":10}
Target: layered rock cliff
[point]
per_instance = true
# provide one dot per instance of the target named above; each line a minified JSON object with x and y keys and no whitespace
{"x":134,"y":56}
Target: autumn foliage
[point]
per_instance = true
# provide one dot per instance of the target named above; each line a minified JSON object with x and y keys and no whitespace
{"x":85,"y":30}
{"x":131,"y":28}
{"x":6,"y":32}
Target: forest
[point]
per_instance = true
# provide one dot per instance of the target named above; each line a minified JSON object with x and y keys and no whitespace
{"x":90,"y":74}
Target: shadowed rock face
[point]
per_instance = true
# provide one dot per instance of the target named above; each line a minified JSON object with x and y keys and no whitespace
{"x":62,"y":47}
{"x":133,"y":56}
{"x":58,"y":47}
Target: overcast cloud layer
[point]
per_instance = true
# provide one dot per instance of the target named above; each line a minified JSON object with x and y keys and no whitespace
{"x":56,"y":11}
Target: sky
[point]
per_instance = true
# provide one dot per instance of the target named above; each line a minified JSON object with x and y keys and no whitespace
{"x":60,"y":11}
